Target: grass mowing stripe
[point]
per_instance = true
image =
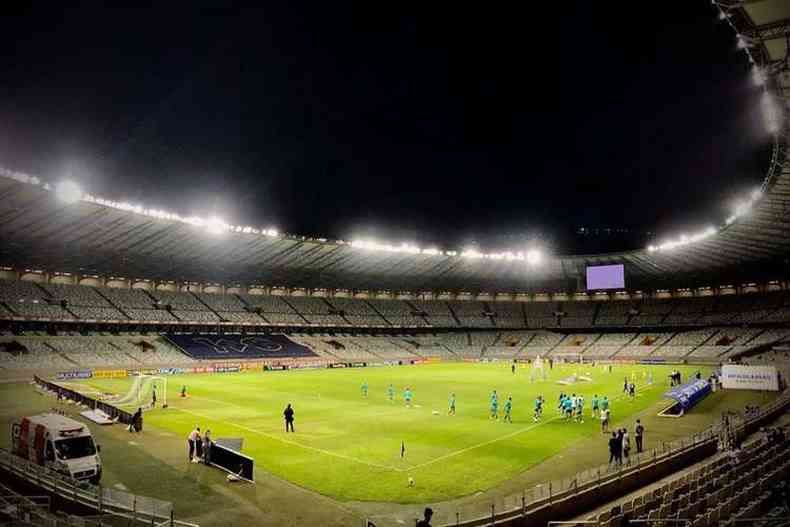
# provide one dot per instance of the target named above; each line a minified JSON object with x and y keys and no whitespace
{"x":496,"y":439}
{"x":288,"y":441}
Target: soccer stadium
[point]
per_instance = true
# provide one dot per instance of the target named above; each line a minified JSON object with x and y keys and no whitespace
{"x":167,"y":369}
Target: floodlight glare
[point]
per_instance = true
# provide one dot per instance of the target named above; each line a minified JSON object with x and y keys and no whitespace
{"x":215,"y":225}
{"x":534,"y":257}
{"x":68,"y":192}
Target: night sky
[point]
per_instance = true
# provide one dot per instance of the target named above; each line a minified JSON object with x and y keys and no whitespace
{"x":439,"y":125}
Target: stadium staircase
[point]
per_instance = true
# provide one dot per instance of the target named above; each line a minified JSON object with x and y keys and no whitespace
{"x":60,"y":353}
{"x":113,"y":304}
{"x":300,"y":315}
{"x":455,"y":317}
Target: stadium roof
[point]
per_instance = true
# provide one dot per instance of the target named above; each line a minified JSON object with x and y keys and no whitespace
{"x":39,"y":231}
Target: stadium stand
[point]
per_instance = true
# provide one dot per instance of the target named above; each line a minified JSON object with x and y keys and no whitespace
{"x":732,"y":489}
{"x":436,"y":313}
{"x":471,"y":314}
{"x":316,"y":311}
{"x":578,"y":314}
{"x":357,"y":312}
{"x":650,"y":312}
{"x":542,"y":314}
{"x":540,"y":344}
{"x":614,"y":313}
{"x":508,"y":314}
{"x":273,"y":309}
{"x":608,"y":345}
{"x":397,"y":313}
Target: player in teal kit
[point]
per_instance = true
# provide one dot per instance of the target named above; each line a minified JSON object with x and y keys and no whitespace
{"x":494,"y":405}
{"x":508,"y":408}
{"x":451,"y":411}
{"x":538,"y":408}
{"x":595,"y":405}
{"x":407,"y":395}
{"x":580,"y":409}
{"x":391,"y":393}
{"x":364,"y":388}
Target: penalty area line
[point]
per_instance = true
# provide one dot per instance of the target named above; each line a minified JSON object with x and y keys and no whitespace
{"x":294,"y":443}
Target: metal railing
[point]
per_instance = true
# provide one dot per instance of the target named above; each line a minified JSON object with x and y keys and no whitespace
{"x":104,"y":500}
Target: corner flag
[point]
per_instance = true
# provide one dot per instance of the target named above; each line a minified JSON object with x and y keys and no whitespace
{"x":402,"y":449}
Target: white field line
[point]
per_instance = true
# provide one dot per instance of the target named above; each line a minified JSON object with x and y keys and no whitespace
{"x":497,"y":439}
{"x":294,"y":443}
{"x":387,"y":467}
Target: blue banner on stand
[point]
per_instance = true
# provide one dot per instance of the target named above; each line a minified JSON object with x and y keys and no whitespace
{"x":689,"y":394}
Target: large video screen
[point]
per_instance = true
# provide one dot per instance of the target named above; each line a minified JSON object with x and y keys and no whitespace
{"x":606,"y":277}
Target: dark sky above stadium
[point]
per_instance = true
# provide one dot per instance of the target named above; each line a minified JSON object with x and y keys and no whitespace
{"x":439,"y":124}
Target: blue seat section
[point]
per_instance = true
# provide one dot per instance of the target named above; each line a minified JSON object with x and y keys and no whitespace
{"x":211,"y":346}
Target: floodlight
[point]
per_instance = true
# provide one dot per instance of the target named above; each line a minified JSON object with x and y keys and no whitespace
{"x":534,"y":257}
{"x":758,"y":77}
{"x":68,"y":192}
{"x":756,"y":194}
{"x":215,"y":225}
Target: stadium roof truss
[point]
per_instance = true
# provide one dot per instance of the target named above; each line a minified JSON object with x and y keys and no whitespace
{"x":37,"y":231}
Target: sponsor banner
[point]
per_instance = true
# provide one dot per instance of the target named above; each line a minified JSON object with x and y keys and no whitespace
{"x":467,"y":359}
{"x":74,"y":374}
{"x":170,"y":371}
{"x":253,"y":366}
{"x":358,"y":364}
{"x":433,"y":360}
{"x":337,"y":365}
{"x":739,"y":377}
{"x":109,"y":374}
{"x":227,"y":368}
{"x":202,"y":369}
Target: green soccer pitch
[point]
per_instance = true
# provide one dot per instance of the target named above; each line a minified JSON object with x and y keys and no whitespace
{"x":349,"y":446}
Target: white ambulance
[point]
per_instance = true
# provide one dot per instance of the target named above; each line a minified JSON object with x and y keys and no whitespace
{"x":59,"y":443}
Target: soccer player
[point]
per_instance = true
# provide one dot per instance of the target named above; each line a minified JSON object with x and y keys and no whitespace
{"x":595,"y":405}
{"x":391,"y":393}
{"x":494,"y":407}
{"x":508,"y":408}
{"x":567,"y":407}
{"x":407,"y":395}
{"x":513,"y":368}
{"x":625,"y":385}
{"x":632,"y":390}
{"x":605,"y":403}
{"x":364,"y":388}
{"x":580,"y":409}
{"x":538,"y":408}
{"x":561,"y":404}
{"x":451,"y":411}
{"x":289,"y":418}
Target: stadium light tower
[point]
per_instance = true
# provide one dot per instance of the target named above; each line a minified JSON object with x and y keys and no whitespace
{"x":68,"y":191}
{"x":534,"y":257}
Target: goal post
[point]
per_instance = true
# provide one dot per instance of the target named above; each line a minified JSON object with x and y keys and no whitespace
{"x":142,"y":391}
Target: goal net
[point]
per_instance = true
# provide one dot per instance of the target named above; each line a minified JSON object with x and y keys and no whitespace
{"x":141,"y":394}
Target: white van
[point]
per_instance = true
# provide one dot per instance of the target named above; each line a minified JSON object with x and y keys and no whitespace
{"x":59,"y":443}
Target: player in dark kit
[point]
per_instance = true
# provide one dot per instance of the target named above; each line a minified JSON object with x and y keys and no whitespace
{"x":289,"y":418}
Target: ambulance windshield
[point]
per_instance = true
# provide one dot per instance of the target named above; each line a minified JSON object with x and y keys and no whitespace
{"x":75,"y":447}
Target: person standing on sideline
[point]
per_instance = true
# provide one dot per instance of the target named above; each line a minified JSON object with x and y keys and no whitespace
{"x":426,"y":521}
{"x":513,"y":368}
{"x":289,"y":418}
{"x":207,"y":444}
{"x":451,"y":411}
{"x":198,"y":448}
{"x":605,"y":421}
{"x":153,"y":397}
{"x":639,"y":432}
{"x":191,"y":440}
{"x":626,"y":446}
{"x":619,"y":446}
{"x":613,"y":448}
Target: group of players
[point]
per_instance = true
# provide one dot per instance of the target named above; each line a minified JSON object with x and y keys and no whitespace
{"x":570,"y":407}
